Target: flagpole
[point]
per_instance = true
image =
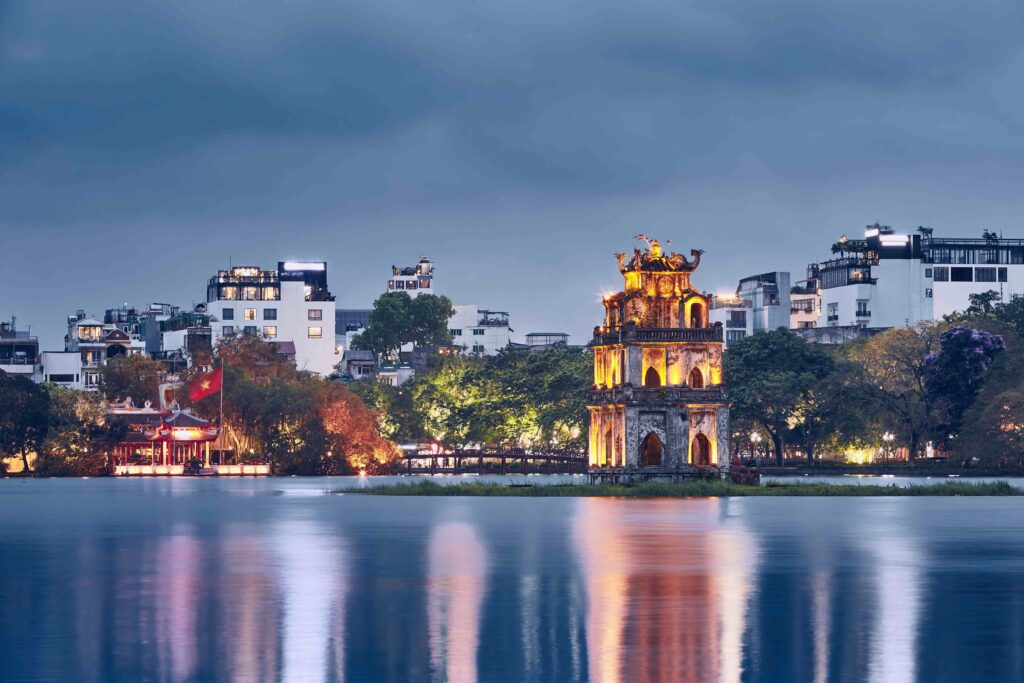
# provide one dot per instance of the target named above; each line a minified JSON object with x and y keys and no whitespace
{"x":222,"y":407}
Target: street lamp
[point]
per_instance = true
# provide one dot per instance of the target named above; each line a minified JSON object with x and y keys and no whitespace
{"x":888,"y":438}
{"x":755,"y":439}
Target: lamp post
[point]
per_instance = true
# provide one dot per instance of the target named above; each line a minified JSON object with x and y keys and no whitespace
{"x":888,"y":438}
{"x":755,"y":440}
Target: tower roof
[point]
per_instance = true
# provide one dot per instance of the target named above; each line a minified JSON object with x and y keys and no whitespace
{"x":653,"y":258}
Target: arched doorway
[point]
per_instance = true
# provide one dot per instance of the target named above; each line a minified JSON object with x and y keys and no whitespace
{"x":696,"y":379}
{"x":696,"y":315}
{"x":609,"y":453}
{"x":701,"y":451}
{"x":650,"y":451}
{"x":652,"y":378}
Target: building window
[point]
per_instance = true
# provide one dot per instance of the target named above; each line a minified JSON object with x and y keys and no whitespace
{"x":270,"y":314}
{"x":928,"y":293}
{"x":315,"y":314}
{"x":456,"y":332}
{"x":227,"y":329}
{"x":942,"y":274}
{"x":927,"y":272}
{"x":391,"y":284}
{"x":229,"y":314}
{"x":478,"y":348}
{"x":1002,"y":274}
{"x":249,"y":329}
{"x":862,"y":309}
{"x":399,"y":284}
{"x":424,"y":283}
{"x":984,"y":274}
{"x":961,"y":274}
{"x":411,"y":284}
{"x":833,"y":313}
{"x":737,"y":319}
{"x":250,"y":314}
{"x":478,"y":333}
{"x":732,"y":336}
{"x":270,"y":331}
{"x":315,"y":333}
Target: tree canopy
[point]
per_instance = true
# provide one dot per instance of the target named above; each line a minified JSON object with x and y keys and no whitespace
{"x":399,"y":319}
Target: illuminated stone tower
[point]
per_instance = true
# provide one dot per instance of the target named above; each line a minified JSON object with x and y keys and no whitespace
{"x":657,"y":400}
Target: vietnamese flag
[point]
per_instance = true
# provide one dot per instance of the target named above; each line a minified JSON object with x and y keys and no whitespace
{"x":209,"y":384}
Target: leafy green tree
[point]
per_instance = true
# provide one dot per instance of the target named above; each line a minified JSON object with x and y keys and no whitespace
{"x":828,"y":413}
{"x":399,"y":319}
{"x":79,"y":437}
{"x":770,"y":376}
{"x":428,"y":320}
{"x":136,"y":376}
{"x":993,"y":426}
{"x":24,"y":416}
{"x":893,"y":382}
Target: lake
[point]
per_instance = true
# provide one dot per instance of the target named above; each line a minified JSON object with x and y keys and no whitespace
{"x":277,"y":579}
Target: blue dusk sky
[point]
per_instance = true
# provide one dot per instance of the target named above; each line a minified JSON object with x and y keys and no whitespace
{"x":518,"y":144}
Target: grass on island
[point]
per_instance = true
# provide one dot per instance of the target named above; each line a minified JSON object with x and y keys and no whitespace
{"x":694,"y":489}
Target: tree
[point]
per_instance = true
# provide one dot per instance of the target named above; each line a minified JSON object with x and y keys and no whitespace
{"x":996,"y":417}
{"x":135,"y":376}
{"x":24,"y":416}
{"x":428,"y":320}
{"x":955,"y":372}
{"x":399,"y":319}
{"x":769,"y":376}
{"x":352,"y":430}
{"x":79,"y":436}
{"x":893,"y":381}
{"x":828,"y":412}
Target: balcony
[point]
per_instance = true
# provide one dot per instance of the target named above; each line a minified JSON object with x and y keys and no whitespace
{"x":863,"y":313}
{"x":630,"y":334}
{"x":627,"y":393}
{"x":833,"y":318}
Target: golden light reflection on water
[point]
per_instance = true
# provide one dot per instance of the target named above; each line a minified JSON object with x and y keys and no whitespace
{"x":457,"y":576}
{"x":667,"y":594}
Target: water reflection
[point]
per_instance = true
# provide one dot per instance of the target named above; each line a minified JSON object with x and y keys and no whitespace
{"x":313,"y":587}
{"x":667,"y":594}
{"x":898,"y":595}
{"x":455,"y":589}
{"x":176,"y":631}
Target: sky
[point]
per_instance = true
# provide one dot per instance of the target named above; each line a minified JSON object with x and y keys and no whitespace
{"x":145,"y":145}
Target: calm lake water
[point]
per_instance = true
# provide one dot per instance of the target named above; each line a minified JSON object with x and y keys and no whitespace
{"x":274,"y":579}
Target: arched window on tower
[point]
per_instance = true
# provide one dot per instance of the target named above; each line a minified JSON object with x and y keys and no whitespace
{"x":696,"y":315}
{"x":650,"y":451}
{"x":696,"y":379}
{"x":652,"y":378}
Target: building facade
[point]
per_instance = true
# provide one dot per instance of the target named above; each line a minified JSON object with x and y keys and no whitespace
{"x":413,"y":280}
{"x":291,"y":306}
{"x":479,"y":332}
{"x":19,"y":350}
{"x":657,"y":399}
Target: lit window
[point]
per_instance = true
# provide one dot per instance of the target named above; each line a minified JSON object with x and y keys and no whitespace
{"x":270,"y":331}
{"x":316,"y":314}
{"x":229,"y":314}
{"x":250,"y":314}
{"x":315,"y":333}
{"x":270,"y":314}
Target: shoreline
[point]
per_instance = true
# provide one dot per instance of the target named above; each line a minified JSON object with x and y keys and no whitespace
{"x":695,"y":489}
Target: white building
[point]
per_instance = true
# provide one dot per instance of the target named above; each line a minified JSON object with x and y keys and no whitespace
{"x":894,"y":280}
{"x":479,"y":332}
{"x":19,"y":350}
{"x":291,"y":304}
{"x":88,"y":346}
{"x":734,"y":314}
{"x":804,"y":306}
{"x":413,"y":280}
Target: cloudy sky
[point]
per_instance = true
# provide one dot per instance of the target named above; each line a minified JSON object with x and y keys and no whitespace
{"x":518,"y":144}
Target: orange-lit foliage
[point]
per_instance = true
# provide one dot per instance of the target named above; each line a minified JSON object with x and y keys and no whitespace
{"x":353,"y":430}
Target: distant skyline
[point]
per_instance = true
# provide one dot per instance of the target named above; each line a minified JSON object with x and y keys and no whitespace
{"x":519,"y":145}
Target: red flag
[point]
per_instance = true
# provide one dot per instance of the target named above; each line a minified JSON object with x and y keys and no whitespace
{"x":208,"y":385}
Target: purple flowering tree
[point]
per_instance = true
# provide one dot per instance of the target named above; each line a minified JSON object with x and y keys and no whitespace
{"x":954,"y":373}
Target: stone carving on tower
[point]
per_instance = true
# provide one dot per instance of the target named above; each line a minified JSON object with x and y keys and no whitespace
{"x":657,"y":400}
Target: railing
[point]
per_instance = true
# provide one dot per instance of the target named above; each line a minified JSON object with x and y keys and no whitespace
{"x":626,"y":393}
{"x":496,"y":461}
{"x":864,"y":314}
{"x":15,"y":334}
{"x":833,"y":318}
{"x":656,"y":334}
{"x":18,"y":361}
